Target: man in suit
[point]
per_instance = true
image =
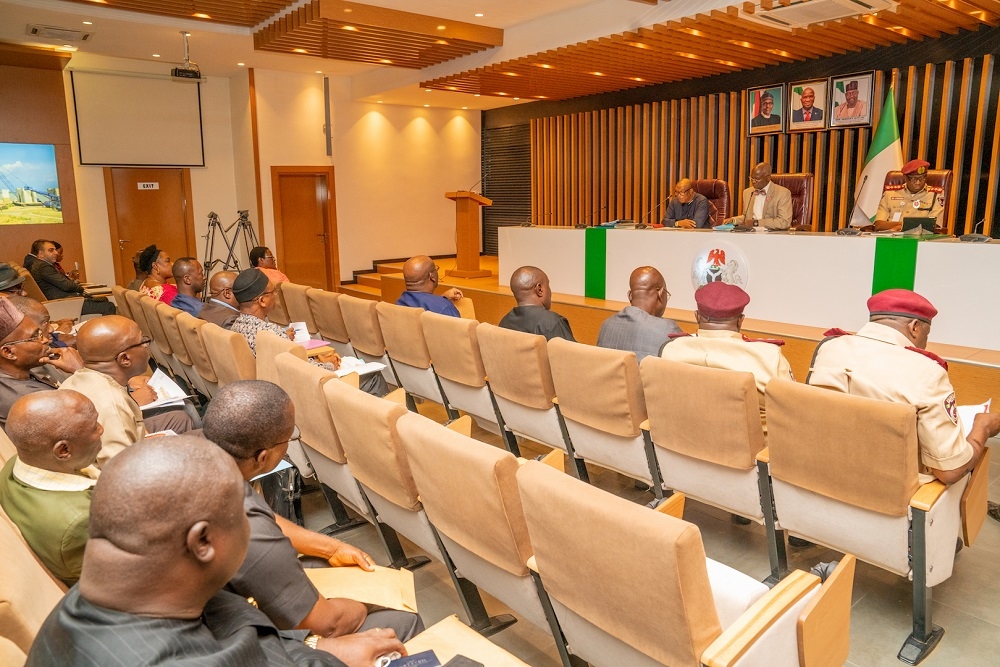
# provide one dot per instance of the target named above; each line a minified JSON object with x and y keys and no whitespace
{"x":222,"y":308}
{"x":765,"y":204}
{"x":765,"y":118}
{"x":808,"y":112}
{"x":640,"y":327}
{"x":532,"y":313}
{"x":55,"y":285}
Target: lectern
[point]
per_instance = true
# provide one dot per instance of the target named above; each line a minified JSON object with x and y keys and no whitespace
{"x":467,"y":231}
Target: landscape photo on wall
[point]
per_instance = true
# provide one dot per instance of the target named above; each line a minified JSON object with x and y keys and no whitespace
{"x":29,"y":185}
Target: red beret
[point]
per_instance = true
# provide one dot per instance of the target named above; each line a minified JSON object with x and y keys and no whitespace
{"x":915,"y":167}
{"x":720,"y":301}
{"x":902,"y":302}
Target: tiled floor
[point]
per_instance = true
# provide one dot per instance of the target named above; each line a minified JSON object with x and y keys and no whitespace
{"x":967,"y":605}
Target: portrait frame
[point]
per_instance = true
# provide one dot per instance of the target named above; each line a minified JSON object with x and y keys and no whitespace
{"x":754,"y":97}
{"x":820,"y":106}
{"x":839,"y":87}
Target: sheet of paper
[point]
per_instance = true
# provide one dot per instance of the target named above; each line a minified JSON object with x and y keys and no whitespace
{"x":967,"y":413}
{"x":301,"y":332}
{"x":385,"y":586}
{"x":168,"y":393}
{"x":283,"y":464}
{"x":354,"y":365}
{"x":451,"y":637}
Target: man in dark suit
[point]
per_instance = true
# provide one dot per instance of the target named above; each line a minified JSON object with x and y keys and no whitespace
{"x":55,"y":285}
{"x":808,"y":112}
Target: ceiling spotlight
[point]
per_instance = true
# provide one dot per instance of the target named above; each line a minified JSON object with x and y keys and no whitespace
{"x":199,"y":15}
{"x":386,"y":61}
{"x":241,"y":64}
{"x":299,"y":51}
{"x":379,"y":102}
{"x":476,"y":95}
{"x":350,"y":27}
{"x":478,"y":16}
{"x":427,"y":90}
{"x":426,"y":105}
{"x":319,"y":71}
{"x":517,"y":98}
{"x":442,"y":27}
{"x":88,"y":23}
{"x":156,"y":55}
{"x":465,"y":107}
{"x":597,"y":73}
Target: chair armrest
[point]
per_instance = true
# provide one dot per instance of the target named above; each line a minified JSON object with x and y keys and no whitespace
{"x":824,"y":627}
{"x":735,"y":640}
{"x":927,"y":495}
{"x":461,"y":425}
{"x":673,"y":506}
{"x":70,"y":308}
{"x":352,"y":379}
{"x":555,"y":459}
{"x":974,"y":501}
{"x":397,"y":396}
{"x":764,"y":455}
{"x":532,"y":565}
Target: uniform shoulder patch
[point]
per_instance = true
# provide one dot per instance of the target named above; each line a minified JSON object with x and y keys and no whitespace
{"x":930,"y":355}
{"x":772,"y":341}
{"x":893,"y":187}
{"x":951,"y":408}
{"x":836,"y":333}
{"x":935,"y":188}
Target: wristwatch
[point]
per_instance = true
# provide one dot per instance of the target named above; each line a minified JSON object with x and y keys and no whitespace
{"x":311,"y":641}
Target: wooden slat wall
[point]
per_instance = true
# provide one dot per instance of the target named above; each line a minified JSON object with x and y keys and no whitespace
{"x":623,"y":162}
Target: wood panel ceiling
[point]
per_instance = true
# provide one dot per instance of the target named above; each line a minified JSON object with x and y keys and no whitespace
{"x":362,"y":33}
{"x":719,"y":42}
{"x":246,"y":13}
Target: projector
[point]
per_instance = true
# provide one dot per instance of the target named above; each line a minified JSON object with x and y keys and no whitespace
{"x":185,"y":73}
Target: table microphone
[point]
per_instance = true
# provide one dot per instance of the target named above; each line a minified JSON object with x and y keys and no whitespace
{"x":584,"y":225}
{"x":736,"y":228}
{"x":974,"y":237}
{"x":642,"y":223}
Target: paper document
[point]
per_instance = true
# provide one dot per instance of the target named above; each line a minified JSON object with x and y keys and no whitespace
{"x":451,"y":637}
{"x":301,"y":332}
{"x":168,"y":393}
{"x":967,"y":414}
{"x":385,"y":586}
{"x":354,"y":365}
{"x":283,"y":464}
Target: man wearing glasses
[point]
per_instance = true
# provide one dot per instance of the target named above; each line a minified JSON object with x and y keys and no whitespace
{"x":640,"y":327}
{"x":421,"y":276}
{"x":115,"y":359}
{"x":687,"y":208}
{"x":915,"y":199}
{"x":765,"y":203}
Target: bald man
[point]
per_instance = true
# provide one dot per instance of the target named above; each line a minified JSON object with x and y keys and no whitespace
{"x":253,"y":421}
{"x":421,"y":276}
{"x":167,"y":531}
{"x":640,"y":327}
{"x":765,"y":203}
{"x":531,"y":315}
{"x":46,"y":488}
{"x":687,"y":208}
{"x":190,"y":280}
{"x":222,"y":307}
{"x":115,"y":358}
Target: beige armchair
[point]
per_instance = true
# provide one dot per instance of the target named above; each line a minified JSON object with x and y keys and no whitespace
{"x":231,"y":356}
{"x":178,"y":346}
{"x":190,"y":330}
{"x":325,"y":309}
{"x":297,"y":304}
{"x":361,"y":321}
{"x":280,"y":313}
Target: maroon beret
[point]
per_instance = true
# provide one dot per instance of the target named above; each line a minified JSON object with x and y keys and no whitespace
{"x":902,"y":303}
{"x":915,"y":167}
{"x":720,"y":301}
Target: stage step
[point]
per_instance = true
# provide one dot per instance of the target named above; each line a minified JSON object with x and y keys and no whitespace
{"x":389,"y":268}
{"x":370,"y":280}
{"x":362,"y":292}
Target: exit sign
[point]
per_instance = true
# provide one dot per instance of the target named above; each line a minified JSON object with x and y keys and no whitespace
{"x":149,"y":186}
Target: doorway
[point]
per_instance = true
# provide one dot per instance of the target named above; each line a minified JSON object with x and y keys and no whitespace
{"x":146,"y":206}
{"x":305,"y":225}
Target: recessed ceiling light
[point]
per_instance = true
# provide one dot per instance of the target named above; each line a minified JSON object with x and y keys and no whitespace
{"x":300,"y":51}
{"x":156,"y":55}
{"x":517,"y":98}
{"x":598,"y":73}
{"x":200,"y":15}
{"x":442,"y":27}
{"x":511,"y":74}
{"x":426,"y":105}
{"x":319,"y":71}
{"x":441,"y":42}
{"x":351,"y":28}
{"x":476,"y":95}
{"x":348,"y":11}
{"x":88,"y":23}
{"x":501,"y":93}
{"x":67,"y":46}
{"x":427,"y":90}
{"x":479,"y":15}
{"x":241,"y":64}
{"x":386,"y":61}
{"x":379,"y":102}
{"x":546,"y":66}
{"x":465,"y":107}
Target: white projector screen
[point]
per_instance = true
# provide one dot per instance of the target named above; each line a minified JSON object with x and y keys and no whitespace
{"x":137,"y":121}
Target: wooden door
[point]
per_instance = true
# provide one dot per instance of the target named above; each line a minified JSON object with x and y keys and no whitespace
{"x":145,"y":206}
{"x":305,"y":225}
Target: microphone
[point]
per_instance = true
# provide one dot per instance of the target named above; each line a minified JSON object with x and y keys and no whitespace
{"x":481,"y":178}
{"x":583,"y":225}
{"x":642,"y":222}
{"x":975,"y":237}
{"x":747,"y":212}
{"x":527,"y":222}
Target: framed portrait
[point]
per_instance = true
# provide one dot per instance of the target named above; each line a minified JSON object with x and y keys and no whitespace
{"x":808,"y":109}
{"x":766,"y":109}
{"x":851,"y":99}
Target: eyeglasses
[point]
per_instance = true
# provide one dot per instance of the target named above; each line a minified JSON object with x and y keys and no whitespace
{"x":270,"y":257}
{"x":265,"y":293}
{"x":37,"y":338}
{"x":142,"y":343}
{"x":681,"y":193}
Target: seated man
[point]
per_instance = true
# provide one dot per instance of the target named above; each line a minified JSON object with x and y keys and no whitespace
{"x":115,"y":357}
{"x":886,"y":360}
{"x":687,"y":208}
{"x":29,"y":259}
{"x":140,"y":275}
{"x":914,"y":200}
{"x":640,"y":327}
{"x":255,"y":293}
{"x":72,"y":275}
{"x":253,"y":421}
{"x":531,"y":315}
{"x":167,"y":531}
{"x":765,"y":204}
{"x":24,"y":345}
{"x":11,"y":282}
{"x":222,"y":307}
{"x":420,"y":274}
{"x":45,"y":489}
{"x":190,"y":280}
{"x":55,"y":285}
{"x":719,"y":343}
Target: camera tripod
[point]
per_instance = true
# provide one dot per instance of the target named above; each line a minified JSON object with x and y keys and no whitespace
{"x":244,"y":230}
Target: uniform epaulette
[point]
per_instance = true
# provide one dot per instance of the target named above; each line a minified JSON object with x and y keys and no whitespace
{"x":677,"y":335}
{"x":772,"y":341}
{"x":894,"y":186}
{"x":836,"y":333}
{"x":935,"y":188}
{"x":930,"y":355}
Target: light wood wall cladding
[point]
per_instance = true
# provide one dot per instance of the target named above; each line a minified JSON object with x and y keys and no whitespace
{"x":623,"y":162}
{"x":246,"y":13}
{"x":718,"y":42}
{"x":363,"y":33}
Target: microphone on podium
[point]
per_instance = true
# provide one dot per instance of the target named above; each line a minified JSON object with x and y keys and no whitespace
{"x":975,"y":237}
{"x":642,"y":223}
{"x":584,"y":225}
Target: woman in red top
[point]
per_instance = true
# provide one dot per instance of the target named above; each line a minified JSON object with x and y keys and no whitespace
{"x":157,"y":264}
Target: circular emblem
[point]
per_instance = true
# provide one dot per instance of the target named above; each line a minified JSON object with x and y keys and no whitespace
{"x":720,"y":262}
{"x":916,"y":204}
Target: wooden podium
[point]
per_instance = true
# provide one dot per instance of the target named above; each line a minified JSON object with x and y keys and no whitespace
{"x":467,"y":232}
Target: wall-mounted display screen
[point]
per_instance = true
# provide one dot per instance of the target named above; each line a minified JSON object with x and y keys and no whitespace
{"x":29,"y":185}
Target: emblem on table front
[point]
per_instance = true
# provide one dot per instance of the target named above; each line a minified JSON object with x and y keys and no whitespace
{"x":720,"y":262}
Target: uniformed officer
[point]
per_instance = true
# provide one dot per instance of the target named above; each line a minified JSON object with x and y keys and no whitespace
{"x":915,"y":199}
{"x":719,"y":343}
{"x":886,"y":360}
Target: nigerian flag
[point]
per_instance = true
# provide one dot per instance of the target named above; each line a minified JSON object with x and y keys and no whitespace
{"x":884,"y":155}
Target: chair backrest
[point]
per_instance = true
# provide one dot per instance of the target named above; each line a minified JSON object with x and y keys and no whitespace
{"x":27,"y":592}
{"x":367,"y":429}
{"x":517,"y":365}
{"x":578,"y":370}
{"x":30,"y":285}
{"x":730,"y":434}
{"x":454,"y":346}
{"x":133,"y":298}
{"x":149,"y":305}
{"x":190,"y":329}
{"x":304,"y":383}
{"x":859,"y":451}
{"x":717,"y":193}
{"x":7,"y":448}
{"x":801,"y":186}
{"x":230,"y":353}
{"x":940,"y":178}
{"x":361,"y":321}
{"x":325,"y":308}
{"x":581,"y":535}
{"x":469,"y":491}
{"x":268,"y":347}
{"x":279,"y":315}
{"x":167,"y":316}
{"x":403,"y":334}
{"x":11,"y":654}
{"x":297,"y":304}
{"x":121,"y":302}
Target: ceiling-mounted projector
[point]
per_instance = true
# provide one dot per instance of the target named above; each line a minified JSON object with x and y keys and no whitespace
{"x":188,"y":70}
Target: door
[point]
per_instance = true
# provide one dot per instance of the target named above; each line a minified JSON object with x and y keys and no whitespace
{"x":146,"y":206}
{"x":305,"y":225}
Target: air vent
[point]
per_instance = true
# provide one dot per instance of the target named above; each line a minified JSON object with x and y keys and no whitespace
{"x":805,"y":13}
{"x":63,"y":35}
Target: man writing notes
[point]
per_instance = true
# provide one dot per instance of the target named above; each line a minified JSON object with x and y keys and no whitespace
{"x":914,"y":200}
{"x":687,"y":208}
{"x":765,"y":204}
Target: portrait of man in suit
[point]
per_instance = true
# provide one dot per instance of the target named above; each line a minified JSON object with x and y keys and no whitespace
{"x":766,"y":108}
{"x":807,"y":101}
